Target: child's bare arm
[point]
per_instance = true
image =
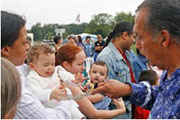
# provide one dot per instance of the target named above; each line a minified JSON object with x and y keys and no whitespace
{"x":95,"y":98}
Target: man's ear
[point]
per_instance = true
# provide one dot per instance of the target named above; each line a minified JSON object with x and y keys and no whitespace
{"x":165,"y":40}
{"x":5,"y":52}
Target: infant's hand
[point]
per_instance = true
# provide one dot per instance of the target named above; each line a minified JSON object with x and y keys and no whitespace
{"x":119,"y":103}
{"x":58,"y":93}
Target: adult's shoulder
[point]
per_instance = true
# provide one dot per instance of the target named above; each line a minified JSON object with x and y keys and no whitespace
{"x":106,"y":53}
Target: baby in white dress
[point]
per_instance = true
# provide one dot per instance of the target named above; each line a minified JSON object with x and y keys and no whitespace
{"x":44,"y":82}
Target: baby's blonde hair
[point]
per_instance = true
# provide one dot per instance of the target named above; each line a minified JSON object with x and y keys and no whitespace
{"x":38,"y":49}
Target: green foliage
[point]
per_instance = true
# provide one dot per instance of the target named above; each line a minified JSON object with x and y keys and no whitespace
{"x":122,"y":16}
{"x":99,"y":24}
{"x":133,"y":47}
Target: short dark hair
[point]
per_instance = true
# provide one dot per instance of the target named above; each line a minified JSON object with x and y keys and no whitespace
{"x":101,"y":63}
{"x":88,"y":37}
{"x":56,"y":39}
{"x":119,"y":29}
{"x":149,"y":76}
{"x":162,"y":14}
{"x":79,"y":39}
{"x":11,"y":25}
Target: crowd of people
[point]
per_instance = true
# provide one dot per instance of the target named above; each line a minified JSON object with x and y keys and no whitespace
{"x":38,"y":82}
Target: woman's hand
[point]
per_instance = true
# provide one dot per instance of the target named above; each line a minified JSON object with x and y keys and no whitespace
{"x":58,"y":93}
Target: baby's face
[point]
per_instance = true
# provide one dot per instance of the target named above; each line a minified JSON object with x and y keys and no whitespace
{"x":98,"y":73}
{"x":45,"y":65}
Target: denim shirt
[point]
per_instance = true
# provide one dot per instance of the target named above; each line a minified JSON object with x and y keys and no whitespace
{"x":137,"y":65}
{"x":163,"y":101}
{"x":118,"y":69}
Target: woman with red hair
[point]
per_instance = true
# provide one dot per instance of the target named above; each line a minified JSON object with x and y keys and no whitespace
{"x":70,"y":59}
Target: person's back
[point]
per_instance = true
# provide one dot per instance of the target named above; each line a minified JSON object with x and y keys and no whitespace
{"x":10,"y":89}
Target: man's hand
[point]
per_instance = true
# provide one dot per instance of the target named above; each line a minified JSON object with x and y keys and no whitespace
{"x":113,"y":89}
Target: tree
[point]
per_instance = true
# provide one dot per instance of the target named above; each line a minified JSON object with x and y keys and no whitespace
{"x":100,"y":24}
{"x":122,"y":16}
{"x":37,"y":31}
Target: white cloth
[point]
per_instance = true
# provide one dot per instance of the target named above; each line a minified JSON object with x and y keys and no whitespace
{"x":89,"y":61}
{"x":29,"y":107}
{"x":42,"y":88}
{"x":67,"y":77}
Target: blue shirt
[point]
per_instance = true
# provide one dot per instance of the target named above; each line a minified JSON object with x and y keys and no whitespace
{"x":163,"y":100}
{"x":137,"y":65}
{"x":103,"y":104}
{"x":89,"y":50}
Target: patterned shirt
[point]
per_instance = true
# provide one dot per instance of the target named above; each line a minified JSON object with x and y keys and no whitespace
{"x":163,"y":100}
{"x":118,"y":69}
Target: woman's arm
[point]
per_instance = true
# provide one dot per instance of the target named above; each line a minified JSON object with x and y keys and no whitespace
{"x":95,"y":98}
{"x":89,"y":110}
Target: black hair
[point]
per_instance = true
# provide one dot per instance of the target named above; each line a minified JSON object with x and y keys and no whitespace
{"x":79,"y":39}
{"x":149,"y":76}
{"x":88,"y":37}
{"x":162,"y":14}
{"x":119,"y":29}
{"x":11,"y":25}
{"x":56,"y":39}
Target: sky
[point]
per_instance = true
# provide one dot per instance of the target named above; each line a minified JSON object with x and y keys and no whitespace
{"x":66,"y":11}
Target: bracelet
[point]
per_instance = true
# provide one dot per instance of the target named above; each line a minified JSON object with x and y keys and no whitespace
{"x":80,"y":96}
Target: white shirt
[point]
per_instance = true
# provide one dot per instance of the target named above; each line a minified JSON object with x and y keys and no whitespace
{"x":42,"y":87}
{"x":29,"y":107}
